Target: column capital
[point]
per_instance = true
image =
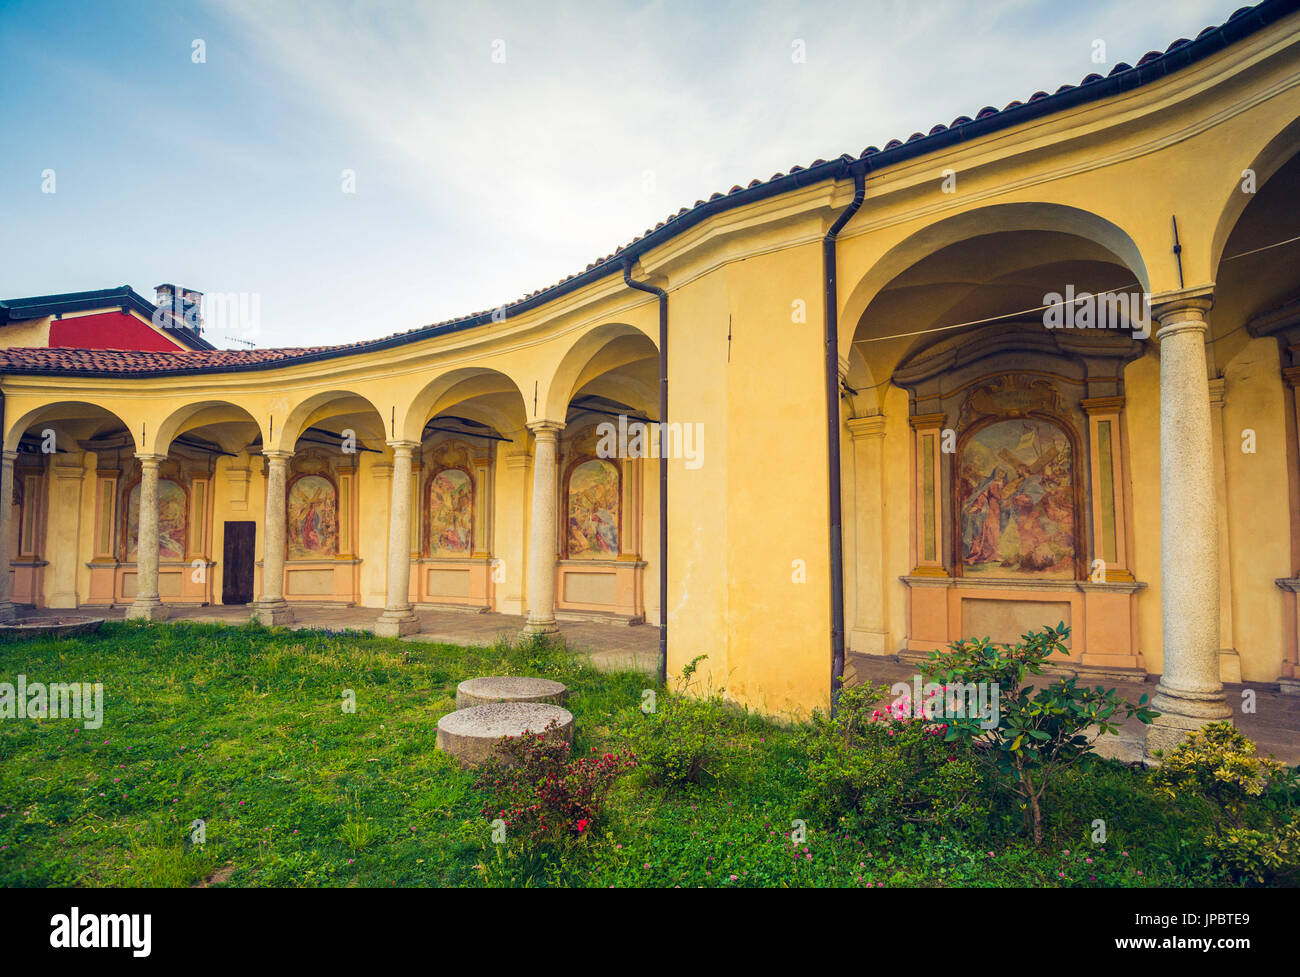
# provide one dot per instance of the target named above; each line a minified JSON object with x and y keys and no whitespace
{"x":276,"y":454}
{"x":546,"y":430}
{"x":871,"y":426}
{"x":927,"y":422}
{"x":402,"y":447}
{"x":9,"y":457}
{"x":1182,"y":309}
{"x":1102,"y":405}
{"x":150,"y":459}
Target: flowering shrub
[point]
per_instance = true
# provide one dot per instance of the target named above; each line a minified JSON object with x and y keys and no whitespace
{"x":1219,"y":765}
{"x":542,"y":793}
{"x":1039,"y":731}
{"x":881,"y":769}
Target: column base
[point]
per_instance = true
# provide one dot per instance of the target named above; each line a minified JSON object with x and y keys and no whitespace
{"x":7,"y":611}
{"x":147,"y":610}
{"x":1182,"y":713}
{"x":271,"y":613}
{"x":1289,"y":686}
{"x":394,"y":624}
{"x":534,"y":627}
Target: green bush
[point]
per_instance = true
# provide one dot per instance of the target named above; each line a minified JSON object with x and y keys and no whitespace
{"x":878,"y":772}
{"x":683,"y":738}
{"x":1219,"y":765}
{"x":1038,"y":731}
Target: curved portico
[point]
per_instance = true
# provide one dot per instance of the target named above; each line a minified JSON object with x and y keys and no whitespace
{"x":1001,"y":468}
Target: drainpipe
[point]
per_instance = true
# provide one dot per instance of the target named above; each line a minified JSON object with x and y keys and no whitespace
{"x":832,"y":342}
{"x":663,"y":462}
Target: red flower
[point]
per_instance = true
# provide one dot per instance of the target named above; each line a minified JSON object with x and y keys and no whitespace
{"x":582,"y":824}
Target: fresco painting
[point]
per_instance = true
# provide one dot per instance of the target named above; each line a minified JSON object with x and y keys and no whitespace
{"x":593,"y":510}
{"x":451,"y":512}
{"x":171,"y":522}
{"x":312,"y":519}
{"x":1016,"y":495}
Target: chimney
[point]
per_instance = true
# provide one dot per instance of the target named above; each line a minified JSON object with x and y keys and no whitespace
{"x":184,"y":304}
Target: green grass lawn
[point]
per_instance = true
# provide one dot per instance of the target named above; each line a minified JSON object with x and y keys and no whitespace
{"x":243,"y":729}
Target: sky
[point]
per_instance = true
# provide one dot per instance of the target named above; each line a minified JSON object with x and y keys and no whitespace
{"x":356,"y":169}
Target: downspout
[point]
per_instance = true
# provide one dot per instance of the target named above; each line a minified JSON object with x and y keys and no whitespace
{"x":662,"y":670}
{"x":831,"y":324}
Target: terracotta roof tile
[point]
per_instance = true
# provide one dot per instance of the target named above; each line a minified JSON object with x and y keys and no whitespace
{"x":61,"y":360}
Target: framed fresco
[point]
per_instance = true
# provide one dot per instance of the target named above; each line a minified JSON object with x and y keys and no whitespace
{"x":172,"y":503}
{"x":593,"y":496}
{"x":450,"y":512}
{"x":1016,"y":500}
{"x":311,"y":523}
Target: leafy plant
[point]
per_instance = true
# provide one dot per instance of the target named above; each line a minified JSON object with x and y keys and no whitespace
{"x":881,"y":770}
{"x":1218,"y":764}
{"x":682,"y":738}
{"x":541,"y":793}
{"x":1038,"y":731}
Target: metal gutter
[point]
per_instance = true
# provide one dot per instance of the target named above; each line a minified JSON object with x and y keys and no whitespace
{"x":662,"y":670}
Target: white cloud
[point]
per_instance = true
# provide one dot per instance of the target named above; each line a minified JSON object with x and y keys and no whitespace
{"x":538,"y":165}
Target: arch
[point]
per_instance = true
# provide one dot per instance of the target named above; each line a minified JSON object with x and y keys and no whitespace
{"x":299,"y":417}
{"x":199,"y":414}
{"x":54,"y":412}
{"x":449,"y":389}
{"x":1278,"y":151}
{"x":567,"y":375}
{"x":994,"y":219}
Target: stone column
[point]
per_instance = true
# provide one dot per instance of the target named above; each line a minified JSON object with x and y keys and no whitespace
{"x":543,"y":531}
{"x":399,"y":617}
{"x":1190,"y":693}
{"x":147,"y":605}
{"x":272,"y":608}
{"x":6,"y":533}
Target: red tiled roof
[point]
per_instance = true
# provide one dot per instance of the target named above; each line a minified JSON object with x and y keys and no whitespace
{"x":1152,"y":65}
{"x":62,"y":360}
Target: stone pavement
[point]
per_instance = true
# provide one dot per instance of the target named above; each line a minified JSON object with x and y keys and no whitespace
{"x":1274,"y":726}
{"x":610,"y":645}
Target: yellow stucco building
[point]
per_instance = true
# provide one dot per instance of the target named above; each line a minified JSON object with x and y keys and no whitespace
{"x":1005,"y":450}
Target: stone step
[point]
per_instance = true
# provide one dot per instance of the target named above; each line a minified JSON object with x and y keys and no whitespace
{"x":509,"y":688}
{"x":473,"y":735}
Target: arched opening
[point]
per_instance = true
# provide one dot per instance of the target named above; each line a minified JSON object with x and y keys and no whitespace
{"x":209,"y":504}
{"x":987,"y":465}
{"x":469,"y":490}
{"x":66,"y":452}
{"x":1253,"y":359}
{"x":607,"y":391}
{"x":336,"y":500}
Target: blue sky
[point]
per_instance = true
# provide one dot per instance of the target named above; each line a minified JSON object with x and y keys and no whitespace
{"x":477,"y":180}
